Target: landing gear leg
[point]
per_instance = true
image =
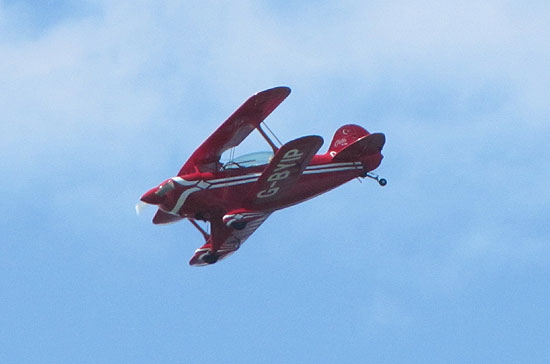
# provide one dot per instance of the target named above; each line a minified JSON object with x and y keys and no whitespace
{"x":381,"y":181}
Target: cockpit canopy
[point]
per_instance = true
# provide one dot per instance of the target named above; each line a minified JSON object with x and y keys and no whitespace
{"x":249,"y":160}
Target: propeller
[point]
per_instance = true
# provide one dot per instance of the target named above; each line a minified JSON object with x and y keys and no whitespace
{"x":140,"y":206}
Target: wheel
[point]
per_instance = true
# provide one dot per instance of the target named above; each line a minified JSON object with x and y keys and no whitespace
{"x":200,"y":216}
{"x":382,"y":182}
{"x":238,"y":225}
{"x":210,"y":258}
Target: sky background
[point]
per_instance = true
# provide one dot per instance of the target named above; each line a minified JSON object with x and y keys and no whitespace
{"x":449,"y":263}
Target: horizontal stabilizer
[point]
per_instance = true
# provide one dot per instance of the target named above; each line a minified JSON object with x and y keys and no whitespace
{"x":364,"y":146}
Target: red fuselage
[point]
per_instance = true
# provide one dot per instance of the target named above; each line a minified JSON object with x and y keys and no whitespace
{"x":201,"y":195}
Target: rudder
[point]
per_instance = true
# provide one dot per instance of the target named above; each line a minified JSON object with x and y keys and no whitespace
{"x":345,"y":136}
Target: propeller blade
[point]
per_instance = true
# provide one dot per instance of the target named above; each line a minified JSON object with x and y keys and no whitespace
{"x":140,"y":206}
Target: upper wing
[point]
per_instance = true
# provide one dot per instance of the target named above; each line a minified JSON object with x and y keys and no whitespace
{"x":225,"y":240}
{"x":283,"y":171}
{"x":234,"y":130}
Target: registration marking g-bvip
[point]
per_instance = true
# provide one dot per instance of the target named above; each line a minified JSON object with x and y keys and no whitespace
{"x":281,"y":172}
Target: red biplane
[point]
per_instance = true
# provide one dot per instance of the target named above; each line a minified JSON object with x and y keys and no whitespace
{"x":238,"y":196}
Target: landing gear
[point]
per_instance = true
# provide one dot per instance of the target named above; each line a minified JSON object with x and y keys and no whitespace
{"x":238,"y":225}
{"x":381,"y":181}
{"x":210,"y":258}
{"x":201,"y":216}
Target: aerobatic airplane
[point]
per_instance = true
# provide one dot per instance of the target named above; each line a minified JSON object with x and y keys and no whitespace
{"x":236,"y":197}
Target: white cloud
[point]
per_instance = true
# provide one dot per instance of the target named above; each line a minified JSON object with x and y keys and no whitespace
{"x":97,"y":105}
{"x":459,"y":88}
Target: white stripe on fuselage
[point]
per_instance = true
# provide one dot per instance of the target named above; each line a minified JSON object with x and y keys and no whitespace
{"x":332,"y":165}
{"x":182,"y":198}
{"x":315,"y":171}
{"x":245,"y":176}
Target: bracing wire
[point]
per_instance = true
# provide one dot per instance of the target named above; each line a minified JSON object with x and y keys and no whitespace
{"x":272,"y":133}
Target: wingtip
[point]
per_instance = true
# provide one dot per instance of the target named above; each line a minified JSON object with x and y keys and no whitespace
{"x":282,"y":91}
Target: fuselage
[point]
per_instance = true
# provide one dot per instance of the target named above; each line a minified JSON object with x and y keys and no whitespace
{"x":203,"y":194}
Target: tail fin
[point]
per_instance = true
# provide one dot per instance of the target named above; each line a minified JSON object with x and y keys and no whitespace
{"x":345,"y":136}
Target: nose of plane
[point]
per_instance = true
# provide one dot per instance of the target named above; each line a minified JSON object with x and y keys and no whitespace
{"x":152,"y":197}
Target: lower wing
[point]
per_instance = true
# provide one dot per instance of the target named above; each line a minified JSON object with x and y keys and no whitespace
{"x":228,"y":233}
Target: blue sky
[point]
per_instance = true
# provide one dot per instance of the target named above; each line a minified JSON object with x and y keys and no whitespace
{"x":448,"y":263}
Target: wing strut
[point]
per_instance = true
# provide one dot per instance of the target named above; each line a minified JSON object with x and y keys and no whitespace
{"x":267,"y":139}
{"x":201,"y":230}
